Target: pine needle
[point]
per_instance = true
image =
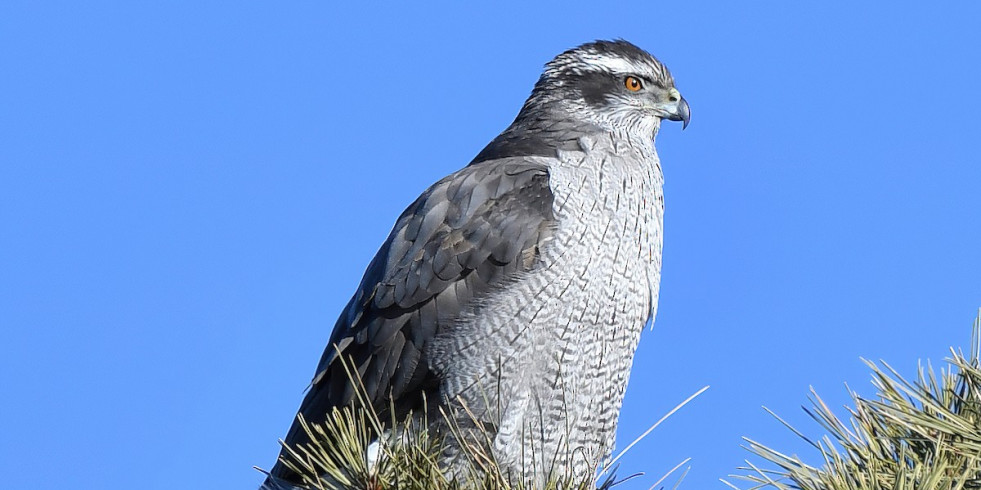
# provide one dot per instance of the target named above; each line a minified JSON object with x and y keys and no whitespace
{"x":921,"y":434}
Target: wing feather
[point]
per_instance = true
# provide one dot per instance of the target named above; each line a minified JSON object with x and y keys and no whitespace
{"x":462,"y":239}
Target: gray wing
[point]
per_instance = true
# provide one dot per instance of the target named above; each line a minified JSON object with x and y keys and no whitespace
{"x":463,"y":238}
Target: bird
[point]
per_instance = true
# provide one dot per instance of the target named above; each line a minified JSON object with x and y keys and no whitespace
{"x":518,"y":286}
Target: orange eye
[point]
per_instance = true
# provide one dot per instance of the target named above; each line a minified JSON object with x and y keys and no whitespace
{"x":633,"y":84}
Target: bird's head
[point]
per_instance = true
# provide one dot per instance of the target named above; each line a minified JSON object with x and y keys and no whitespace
{"x":613,"y":85}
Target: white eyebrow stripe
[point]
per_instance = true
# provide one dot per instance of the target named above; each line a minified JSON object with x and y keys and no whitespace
{"x":613,"y":64}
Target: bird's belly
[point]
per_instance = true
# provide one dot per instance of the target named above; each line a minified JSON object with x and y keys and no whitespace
{"x":550,"y":362}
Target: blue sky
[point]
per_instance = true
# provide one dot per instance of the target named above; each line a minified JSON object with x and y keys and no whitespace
{"x":189,"y":195}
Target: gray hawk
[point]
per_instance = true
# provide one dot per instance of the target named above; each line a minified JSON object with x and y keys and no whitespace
{"x":518,"y":285}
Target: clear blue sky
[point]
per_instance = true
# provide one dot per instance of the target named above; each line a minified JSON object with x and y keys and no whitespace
{"x":189,"y":195}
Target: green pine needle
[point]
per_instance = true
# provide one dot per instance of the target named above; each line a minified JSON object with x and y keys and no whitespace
{"x":914,"y":435}
{"x":336,"y":457}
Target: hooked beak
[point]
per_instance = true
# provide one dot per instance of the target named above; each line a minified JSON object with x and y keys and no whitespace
{"x":677,"y":109}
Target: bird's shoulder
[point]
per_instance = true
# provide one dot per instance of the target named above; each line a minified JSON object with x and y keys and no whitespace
{"x":483,"y":211}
